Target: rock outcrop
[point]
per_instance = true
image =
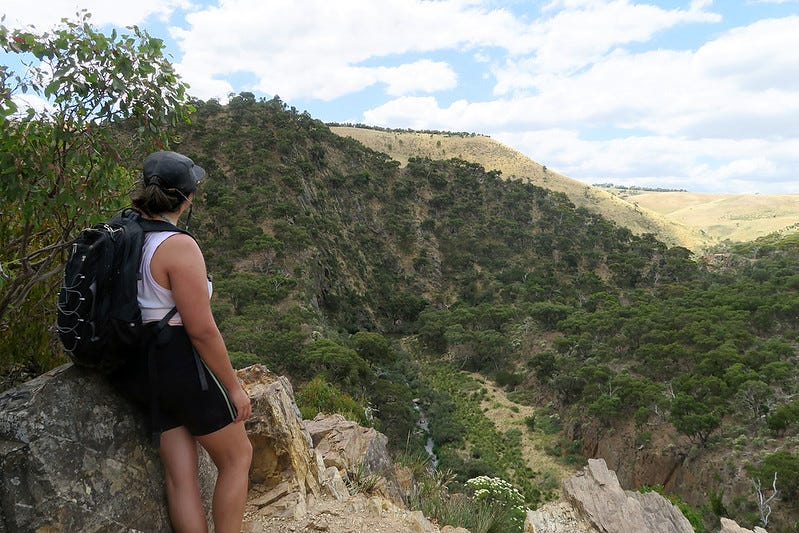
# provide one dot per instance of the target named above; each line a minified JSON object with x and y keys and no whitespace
{"x":595,"y":502}
{"x":355,"y":451}
{"x":730,"y":526}
{"x":288,"y":475}
{"x":71,"y":453}
{"x":71,"y":449}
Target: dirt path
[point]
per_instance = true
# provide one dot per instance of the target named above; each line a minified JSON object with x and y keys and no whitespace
{"x":507,"y":414}
{"x":358,"y":514}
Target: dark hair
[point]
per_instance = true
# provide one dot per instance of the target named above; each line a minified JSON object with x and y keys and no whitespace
{"x":152,"y":199}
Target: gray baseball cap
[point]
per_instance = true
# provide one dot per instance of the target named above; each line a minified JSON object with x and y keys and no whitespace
{"x":173,"y":170}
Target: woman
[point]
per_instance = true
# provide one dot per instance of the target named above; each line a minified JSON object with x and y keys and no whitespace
{"x":173,"y":274}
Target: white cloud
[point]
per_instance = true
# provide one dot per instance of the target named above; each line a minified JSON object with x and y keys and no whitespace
{"x":424,"y":75}
{"x":755,"y":57}
{"x":584,"y":33}
{"x":559,"y":82}
{"x":321,"y":49}
{"x":422,"y":112}
{"x":45,"y":14}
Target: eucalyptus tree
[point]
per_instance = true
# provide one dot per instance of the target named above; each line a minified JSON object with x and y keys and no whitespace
{"x":77,"y":108}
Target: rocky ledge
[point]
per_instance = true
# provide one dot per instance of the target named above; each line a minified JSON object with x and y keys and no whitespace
{"x":74,"y":456}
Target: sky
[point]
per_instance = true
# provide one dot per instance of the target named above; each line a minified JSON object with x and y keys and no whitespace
{"x":697,"y":95}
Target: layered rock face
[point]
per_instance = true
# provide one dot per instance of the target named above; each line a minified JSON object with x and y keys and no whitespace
{"x":595,"y":502}
{"x":357,"y":452}
{"x":74,"y":456}
{"x":284,"y":467}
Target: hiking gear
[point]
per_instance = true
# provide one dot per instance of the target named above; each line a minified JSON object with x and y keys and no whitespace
{"x":99,"y":320}
{"x":171,"y":170}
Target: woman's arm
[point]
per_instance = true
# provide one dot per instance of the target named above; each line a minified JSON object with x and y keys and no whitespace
{"x":180,"y":259}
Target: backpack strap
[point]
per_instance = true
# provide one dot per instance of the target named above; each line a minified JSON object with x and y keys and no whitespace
{"x":149,"y":224}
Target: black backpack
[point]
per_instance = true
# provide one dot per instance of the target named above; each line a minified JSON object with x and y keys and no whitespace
{"x":99,"y":320}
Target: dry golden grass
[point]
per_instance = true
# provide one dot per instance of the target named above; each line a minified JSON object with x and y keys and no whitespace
{"x":693,"y":220}
{"x":737,"y":217}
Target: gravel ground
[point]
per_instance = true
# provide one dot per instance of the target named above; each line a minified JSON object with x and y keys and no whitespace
{"x":358,"y":514}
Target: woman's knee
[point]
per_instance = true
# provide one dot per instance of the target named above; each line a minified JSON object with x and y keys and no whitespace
{"x":241,"y":453}
{"x":178,"y":452}
{"x":229,"y":448}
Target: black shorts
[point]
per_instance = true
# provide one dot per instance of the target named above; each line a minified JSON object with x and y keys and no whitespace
{"x":181,"y":399}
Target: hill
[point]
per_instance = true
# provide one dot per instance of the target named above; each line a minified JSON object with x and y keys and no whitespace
{"x":694,"y":220}
{"x":734,"y":217}
{"x":383,"y":289}
{"x":493,"y":155}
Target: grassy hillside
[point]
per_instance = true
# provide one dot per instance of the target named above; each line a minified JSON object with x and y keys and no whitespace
{"x":694,"y":220}
{"x":493,"y":155}
{"x":734,"y":217}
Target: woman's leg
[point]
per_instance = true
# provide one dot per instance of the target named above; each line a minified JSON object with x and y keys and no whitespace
{"x":178,"y":451}
{"x":231,"y":451}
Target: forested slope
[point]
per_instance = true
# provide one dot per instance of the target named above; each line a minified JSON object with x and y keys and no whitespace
{"x":380,"y":290}
{"x":323,"y":250}
{"x":493,"y":155}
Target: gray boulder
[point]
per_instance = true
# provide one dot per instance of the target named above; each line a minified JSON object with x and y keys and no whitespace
{"x":356,"y":451}
{"x":74,"y":456}
{"x":731,"y":526}
{"x":596,"y":503}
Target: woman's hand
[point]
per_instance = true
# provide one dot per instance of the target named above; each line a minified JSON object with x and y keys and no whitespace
{"x":242,"y":404}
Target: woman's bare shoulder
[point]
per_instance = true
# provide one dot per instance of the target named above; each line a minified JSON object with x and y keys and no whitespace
{"x":180,"y":247}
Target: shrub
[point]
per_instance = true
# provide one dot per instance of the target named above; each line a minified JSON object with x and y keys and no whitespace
{"x":373,"y":347}
{"x":783,"y":417}
{"x":509,"y":380}
{"x":642,"y":416}
{"x":480,"y":514}
{"x":786,"y":465}
{"x":502,"y":494}
{"x":339,"y":364}
{"x":319,"y":396}
{"x":243,"y":359}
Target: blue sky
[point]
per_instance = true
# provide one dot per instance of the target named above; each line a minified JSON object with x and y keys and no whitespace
{"x":696,"y":95}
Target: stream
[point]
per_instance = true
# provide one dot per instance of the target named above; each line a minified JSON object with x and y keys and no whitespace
{"x":424,"y":425}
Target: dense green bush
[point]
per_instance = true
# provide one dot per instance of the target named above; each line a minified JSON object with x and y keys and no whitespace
{"x":337,"y":363}
{"x":783,"y":417}
{"x":319,"y":396}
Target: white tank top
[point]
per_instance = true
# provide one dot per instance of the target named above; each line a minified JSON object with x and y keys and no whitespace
{"x":156,"y":301}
